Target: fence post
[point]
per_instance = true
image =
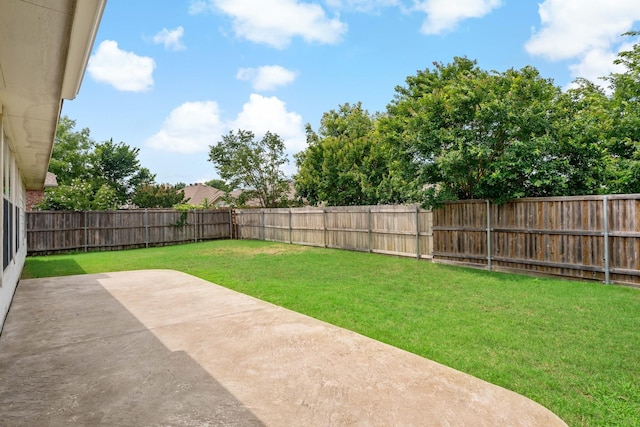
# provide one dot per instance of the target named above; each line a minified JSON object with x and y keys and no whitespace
{"x":488,"y":235}
{"x":195,"y":225}
{"x":290,"y":229}
{"x":417,"y":232}
{"x":324,"y":225}
{"x":264,"y":231}
{"x":605,"y":206}
{"x":86,"y":232}
{"x":230,"y":223}
{"x":369,"y":227}
{"x":146,"y":228}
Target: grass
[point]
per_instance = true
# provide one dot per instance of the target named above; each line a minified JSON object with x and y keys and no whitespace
{"x":574,"y":347}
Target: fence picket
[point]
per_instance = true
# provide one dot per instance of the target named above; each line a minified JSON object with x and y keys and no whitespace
{"x":580,"y":237}
{"x":381,"y":229}
{"x":51,"y":232}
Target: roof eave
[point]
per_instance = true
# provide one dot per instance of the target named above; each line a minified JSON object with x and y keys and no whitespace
{"x":86,"y":21}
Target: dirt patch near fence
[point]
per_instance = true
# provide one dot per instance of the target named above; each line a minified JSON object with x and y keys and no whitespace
{"x":267,"y":249}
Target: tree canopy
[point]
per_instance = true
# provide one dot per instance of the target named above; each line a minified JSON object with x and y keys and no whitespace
{"x":624,"y":115}
{"x":94,"y":176}
{"x":452,"y":131}
{"x":456,"y":131}
{"x":344,"y":163}
{"x":252,"y":165}
{"x":157,"y":196}
{"x":117,"y":166}
{"x":71,"y":152}
{"x":469,"y":133}
{"x":220,"y":184}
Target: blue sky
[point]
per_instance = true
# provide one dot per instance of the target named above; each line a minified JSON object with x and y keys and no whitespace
{"x":171,"y":77}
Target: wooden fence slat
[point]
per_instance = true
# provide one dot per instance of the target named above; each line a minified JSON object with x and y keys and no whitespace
{"x":580,"y":237}
{"x":380,"y":229}
{"x":559,"y":236}
{"x":51,"y":232}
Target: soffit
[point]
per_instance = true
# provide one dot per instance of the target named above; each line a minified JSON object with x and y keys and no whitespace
{"x":35,"y":41}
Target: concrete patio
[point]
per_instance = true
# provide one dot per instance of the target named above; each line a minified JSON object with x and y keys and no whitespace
{"x":159,"y":347}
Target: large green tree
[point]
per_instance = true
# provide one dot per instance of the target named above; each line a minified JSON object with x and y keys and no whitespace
{"x":456,"y":131}
{"x":345,"y":162}
{"x":253,"y":165}
{"x":624,"y":113}
{"x":331,"y":169}
{"x":92,"y":176}
{"x":71,"y":152}
{"x":220,"y":184}
{"x":582,"y":127}
{"x":465,"y":133}
{"x":598,"y":131}
{"x":157,"y":196}
{"x":117,"y":166}
{"x":80,"y":195}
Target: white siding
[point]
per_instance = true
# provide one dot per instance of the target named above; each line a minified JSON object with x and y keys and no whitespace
{"x":14,"y":197}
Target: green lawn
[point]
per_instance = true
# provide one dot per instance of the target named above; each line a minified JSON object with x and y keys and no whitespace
{"x":572,"y":346}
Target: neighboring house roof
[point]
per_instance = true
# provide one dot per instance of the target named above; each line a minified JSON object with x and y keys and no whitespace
{"x":44,"y":50}
{"x":51,"y":181}
{"x":291,"y":192}
{"x":254,"y":203}
{"x":195,"y":194}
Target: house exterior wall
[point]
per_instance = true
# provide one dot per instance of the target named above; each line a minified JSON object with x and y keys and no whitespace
{"x":13,"y":250}
{"x":34,"y":197}
{"x":44,"y":53}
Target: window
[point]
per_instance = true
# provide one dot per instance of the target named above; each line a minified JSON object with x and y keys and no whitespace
{"x":10,"y":211}
{"x":6,"y":175}
{"x":17,"y":226}
{"x":7,"y":252}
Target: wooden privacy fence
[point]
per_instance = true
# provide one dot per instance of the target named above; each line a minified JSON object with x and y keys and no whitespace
{"x":586,"y":237}
{"x":582,"y":237}
{"x":57,"y":231}
{"x":391,"y":230}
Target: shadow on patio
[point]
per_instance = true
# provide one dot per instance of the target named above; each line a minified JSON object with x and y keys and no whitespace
{"x":70,"y":353}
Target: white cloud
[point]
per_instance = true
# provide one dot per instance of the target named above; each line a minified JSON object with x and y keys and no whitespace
{"x":571,"y":28}
{"x":591,"y":34}
{"x":268,"y":77}
{"x":125,"y":71}
{"x":191,"y":127}
{"x":595,"y":64}
{"x":198,"y":6}
{"x":444,"y":15}
{"x":194,"y":126}
{"x":362,"y":5}
{"x":277,"y":22}
{"x":261,"y":114}
{"x":170,"y":38}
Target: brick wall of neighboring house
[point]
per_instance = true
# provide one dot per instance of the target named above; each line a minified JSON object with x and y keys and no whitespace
{"x":33,"y":198}
{"x":36,"y":196}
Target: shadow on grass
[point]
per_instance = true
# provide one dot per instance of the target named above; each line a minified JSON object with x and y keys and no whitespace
{"x":37,"y":268}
